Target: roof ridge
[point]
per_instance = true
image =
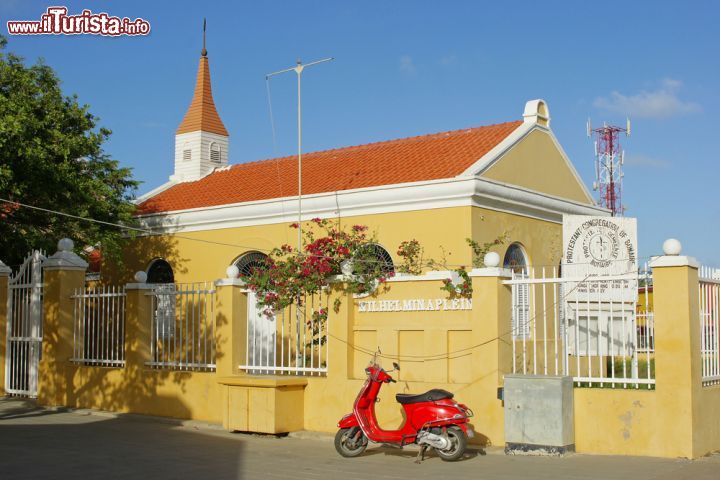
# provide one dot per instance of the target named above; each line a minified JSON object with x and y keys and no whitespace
{"x":381,"y":142}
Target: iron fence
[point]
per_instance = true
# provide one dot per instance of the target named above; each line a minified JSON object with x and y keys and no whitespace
{"x":183,"y":327}
{"x":99,"y":326}
{"x":709,"y":342}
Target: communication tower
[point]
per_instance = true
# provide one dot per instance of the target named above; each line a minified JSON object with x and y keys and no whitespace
{"x":609,"y":160}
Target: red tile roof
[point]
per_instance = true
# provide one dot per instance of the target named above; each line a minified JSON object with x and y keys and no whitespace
{"x":427,"y":157}
{"x":202,"y":114}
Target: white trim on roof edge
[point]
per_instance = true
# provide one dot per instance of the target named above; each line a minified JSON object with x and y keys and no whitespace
{"x":529,"y":124}
{"x":445,"y":193}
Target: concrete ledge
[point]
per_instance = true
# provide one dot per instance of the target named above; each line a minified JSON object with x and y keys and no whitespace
{"x":674,"y":261}
{"x":538,"y":450}
{"x":270,"y":381}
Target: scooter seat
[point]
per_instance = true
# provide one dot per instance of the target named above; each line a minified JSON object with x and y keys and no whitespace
{"x":429,"y":396}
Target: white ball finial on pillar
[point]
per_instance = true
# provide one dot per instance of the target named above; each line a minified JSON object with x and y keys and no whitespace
{"x":491,"y":260}
{"x":140,"y":277}
{"x":672,"y":246}
{"x":65,"y":245}
{"x":232,"y":271}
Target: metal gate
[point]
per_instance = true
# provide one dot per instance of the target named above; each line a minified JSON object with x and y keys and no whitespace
{"x":24,"y":327}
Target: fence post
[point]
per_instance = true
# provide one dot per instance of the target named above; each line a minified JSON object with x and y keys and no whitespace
{"x":138,"y":314}
{"x":5,"y":272}
{"x":230,"y":324}
{"x":492,"y":304}
{"x":63,"y":272}
{"x":678,"y":373}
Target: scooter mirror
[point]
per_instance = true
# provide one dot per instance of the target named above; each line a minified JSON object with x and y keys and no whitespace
{"x":396,"y":366}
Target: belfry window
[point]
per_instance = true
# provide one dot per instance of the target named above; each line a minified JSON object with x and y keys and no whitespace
{"x":215,"y":152}
{"x":187,"y":155}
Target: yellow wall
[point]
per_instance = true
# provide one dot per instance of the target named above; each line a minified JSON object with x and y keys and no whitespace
{"x":441,"y":232}
{"x":537,"y":164}
{"x":186,"y":395}
{"x":430,"y":345}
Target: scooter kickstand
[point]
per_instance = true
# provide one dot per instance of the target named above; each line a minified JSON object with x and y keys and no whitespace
{"x":421,"y":454}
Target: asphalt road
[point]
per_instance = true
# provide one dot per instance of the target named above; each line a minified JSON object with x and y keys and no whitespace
{"x":37,"y":443}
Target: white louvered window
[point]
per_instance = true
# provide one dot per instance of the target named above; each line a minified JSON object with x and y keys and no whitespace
{"x":187,"y":155}
{"x":516,"y":260}
{"x":215,"y":152}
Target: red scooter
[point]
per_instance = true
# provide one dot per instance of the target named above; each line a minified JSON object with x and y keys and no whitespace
{"x":432,"y":419}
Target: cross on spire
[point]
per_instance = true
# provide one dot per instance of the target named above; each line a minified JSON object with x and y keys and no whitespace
{"x":204,"y":50}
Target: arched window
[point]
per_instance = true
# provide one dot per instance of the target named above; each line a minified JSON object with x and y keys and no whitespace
{"x":376,"y":256}
{"x":215,"y":152}
{"x":250,"y":261}
{"x":515,"y":259}
{"x":160,"y":271}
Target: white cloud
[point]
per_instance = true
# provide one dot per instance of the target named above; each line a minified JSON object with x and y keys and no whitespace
{"x":662,"y":102}
{"x":639,"y":160}
{"x":406,"y":65}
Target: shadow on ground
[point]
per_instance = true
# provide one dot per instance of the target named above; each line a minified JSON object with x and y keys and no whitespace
{"x":38,"y":443}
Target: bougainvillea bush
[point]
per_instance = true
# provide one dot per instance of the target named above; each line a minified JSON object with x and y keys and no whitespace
{"x":290,"y":275}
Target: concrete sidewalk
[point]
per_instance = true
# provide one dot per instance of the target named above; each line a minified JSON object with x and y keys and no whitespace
{"x":39,"y":443}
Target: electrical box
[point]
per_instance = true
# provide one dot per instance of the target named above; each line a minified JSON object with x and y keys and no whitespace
{"x":539,"y":417}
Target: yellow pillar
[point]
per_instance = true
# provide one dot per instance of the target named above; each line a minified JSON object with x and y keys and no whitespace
{"x":678,"y":373}
{"x":64,"y":273}
{"x":4,"y":277}
{"x":230,"y":326}
{"x":493,"y":357}
{"x":138,"y":319}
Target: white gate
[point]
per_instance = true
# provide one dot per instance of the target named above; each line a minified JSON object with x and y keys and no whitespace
{"x":24,"y":327}
{"x":289,"y":342}
{"x":597,"y":329}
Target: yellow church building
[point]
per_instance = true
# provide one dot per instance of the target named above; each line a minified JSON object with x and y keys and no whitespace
{"x":511,"y":178}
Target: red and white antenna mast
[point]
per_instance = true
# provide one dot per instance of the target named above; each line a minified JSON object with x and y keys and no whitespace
{"x":609,"y":159}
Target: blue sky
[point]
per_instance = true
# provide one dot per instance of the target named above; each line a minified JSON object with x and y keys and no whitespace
{"x":407,"y":68}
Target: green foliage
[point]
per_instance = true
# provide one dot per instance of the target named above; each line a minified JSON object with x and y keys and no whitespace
{"x":480,"y":249}
{"x":411,"y":254}
{"x":51,"y":156}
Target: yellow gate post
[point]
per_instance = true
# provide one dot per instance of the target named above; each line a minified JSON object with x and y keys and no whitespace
{"x":492,"y":358}
{"x":4,"y":278}
{"x":64,"y":272}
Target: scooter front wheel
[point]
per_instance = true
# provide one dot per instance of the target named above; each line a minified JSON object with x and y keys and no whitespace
{"x":458,"y":443}
{"x":350,"y":442}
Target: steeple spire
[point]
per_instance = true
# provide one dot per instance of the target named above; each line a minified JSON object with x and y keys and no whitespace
{"x":201,"y":140}
{"x":202,"y":115}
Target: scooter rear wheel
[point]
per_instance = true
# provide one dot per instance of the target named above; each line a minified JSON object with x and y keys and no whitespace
{"x":458,"y":443}
{"x":350,"y":442}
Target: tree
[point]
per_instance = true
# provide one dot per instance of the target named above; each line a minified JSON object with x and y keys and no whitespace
{"x":51,"y":156}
